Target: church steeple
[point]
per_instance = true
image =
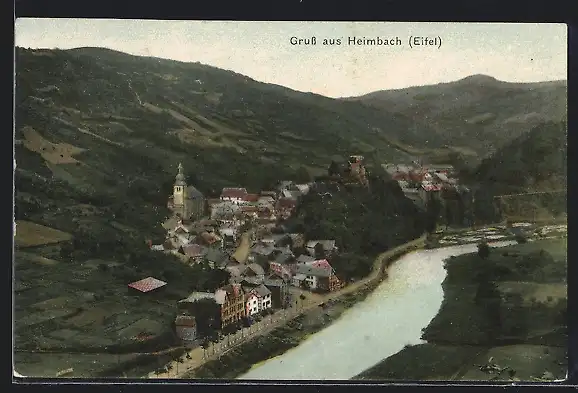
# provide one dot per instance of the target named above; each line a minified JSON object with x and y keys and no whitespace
{"x":179,"y":188}
{"x":180,"y":178}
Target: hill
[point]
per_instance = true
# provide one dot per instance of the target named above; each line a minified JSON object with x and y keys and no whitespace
{"x":98,"y":137}
{"x":533,"y":162}
{"x":478,"y":112}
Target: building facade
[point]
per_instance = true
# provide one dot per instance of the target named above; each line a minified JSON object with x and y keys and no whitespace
{"x":186,"y":201}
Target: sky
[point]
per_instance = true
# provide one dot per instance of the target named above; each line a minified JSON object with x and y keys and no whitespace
{"x":263,"y":50}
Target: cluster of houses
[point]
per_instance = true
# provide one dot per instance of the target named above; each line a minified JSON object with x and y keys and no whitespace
{"x":239,"y":232}
{"x":420,"y":182}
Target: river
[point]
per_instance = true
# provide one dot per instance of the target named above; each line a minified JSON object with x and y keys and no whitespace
{"x":374,"y":329}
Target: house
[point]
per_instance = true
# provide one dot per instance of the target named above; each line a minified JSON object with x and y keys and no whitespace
{"x":231,"y":299}
{"x":204,"y":307}
{"x":194,"y":252}
{"x":210,"y":239}
{"x":298,"y":280}
{"x":328,"y":246}
{"x":264,"y":297}
{"x":279,"y":291}
{"x":234,"y":195}
{"x":216,"y":258}
{"x":297,"y":240}
{"x":303,"y":188}
{"x":237,"y":272}
{"x":251,"y":303}
{"x":282,"y":271}
{"x":263,"y":249}
{"x":146,"y":285}
{"x":318,"y":276}
{"x":255,"y":270}
{"x":186,"y":328}
{"x":258,"y":299}
{"x":284,"y":256}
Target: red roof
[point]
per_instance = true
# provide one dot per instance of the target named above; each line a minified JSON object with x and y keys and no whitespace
{"x":147,"y":284}
{"x":431,"y":187}
{"x":249,"y":209}
{"x":239,"y":193}
{"x":321,"y":263}
{"x":251,"y":198}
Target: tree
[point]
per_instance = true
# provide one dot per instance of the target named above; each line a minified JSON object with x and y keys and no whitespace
{"x":483,"y":250}
{"x":302,"y":175}
{"x":334,"y":169}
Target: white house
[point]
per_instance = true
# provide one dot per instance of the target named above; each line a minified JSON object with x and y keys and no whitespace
{"x":252,"y":304}
{"x":264,"y":295}
{"x":234,"y":195}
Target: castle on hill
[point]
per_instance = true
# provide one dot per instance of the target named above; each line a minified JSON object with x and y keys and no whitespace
{"x":186,"y":201}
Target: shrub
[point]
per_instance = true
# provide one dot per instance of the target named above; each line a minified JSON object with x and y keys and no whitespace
{"x":483,"y":250}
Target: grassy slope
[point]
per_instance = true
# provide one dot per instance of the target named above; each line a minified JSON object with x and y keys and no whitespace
{"x":478,"y":112}
{"x":535,"y":161}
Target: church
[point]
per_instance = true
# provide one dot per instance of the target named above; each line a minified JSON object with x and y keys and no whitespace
{"x":186,"y":202}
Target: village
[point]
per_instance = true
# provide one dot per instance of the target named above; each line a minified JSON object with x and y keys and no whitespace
{"x":242,"y":234}
{"x":239,"y":233}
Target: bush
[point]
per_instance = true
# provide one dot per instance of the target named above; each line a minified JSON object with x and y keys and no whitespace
{"x":483,"y":250}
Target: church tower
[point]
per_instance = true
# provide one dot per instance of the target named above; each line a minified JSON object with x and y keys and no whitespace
{"x":179,"y":191}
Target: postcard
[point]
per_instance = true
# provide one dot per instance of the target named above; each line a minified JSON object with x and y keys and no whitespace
{"x":298,"y":201}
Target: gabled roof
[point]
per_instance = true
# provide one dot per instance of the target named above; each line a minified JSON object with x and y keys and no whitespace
{"x":262,"y":291}
{"x":237,"y":270}
{"x":262,"y":250}
{"x":234,"y":192}
{"x":255,"y":268}
{"x":234,"y":290}
{"x":147,"y":284}
{"x":327,"y":244}
{"x":313,"y":271}
{"x":216,"y":255}
{"x":305,"y":259}
{"x":193,"y":193}
{"x":194,"y":250}
{"x":196,"y":296}
{"x":185,"y":320}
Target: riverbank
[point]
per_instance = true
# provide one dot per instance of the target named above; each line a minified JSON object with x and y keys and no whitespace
{"x":330,"y":307}
{"x":517,"y":319}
